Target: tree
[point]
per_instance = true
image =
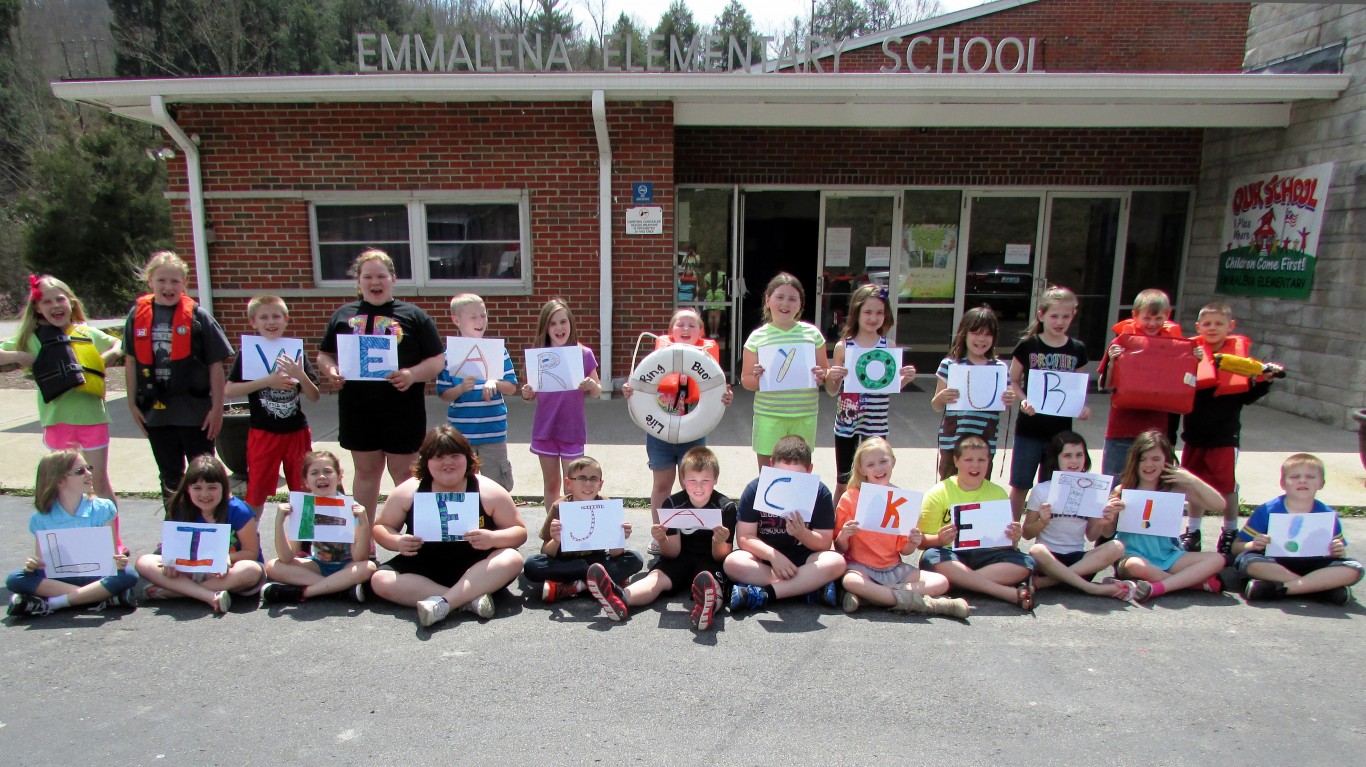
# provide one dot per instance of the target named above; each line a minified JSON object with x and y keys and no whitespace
{"x":679,"y":22}
{"x":885,"y":14}
{"x":628,"y":32}
{"x":838,"y":19}
{"x":552,"y":19}
{"x":735,"y":21}
{"x":96,"y":210}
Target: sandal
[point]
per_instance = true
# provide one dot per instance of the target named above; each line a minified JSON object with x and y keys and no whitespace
{"x":1024,"y":594}
{"x":222,"y":602}
{"x":1124,"y":589}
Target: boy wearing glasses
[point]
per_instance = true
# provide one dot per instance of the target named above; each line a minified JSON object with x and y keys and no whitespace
{"x":564,"y":574}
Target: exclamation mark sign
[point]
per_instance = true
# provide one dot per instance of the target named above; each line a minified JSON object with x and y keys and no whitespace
{"x":1296,"y":524}
{"x":1148,"y":514}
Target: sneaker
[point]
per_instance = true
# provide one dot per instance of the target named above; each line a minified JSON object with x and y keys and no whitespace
{"x":22,"y":604}
{"x":483,"y":607}
{"x":124,"y":598}
{"x":281,"y":593}
{"x":222,"y":602}
{"x":1225,"y":545}
{"x":705,"y":594}
{"x":432,"y":610}
{"x":1257,"y":590}
{"x":607,"y":592}
{"x":358,"y":592}
{"x":1338,"y":595}
{"x":744,"y":596}
{"x":554,"y":591}
{"x":1190,"y":540}
{"x":824,"y":596}
{"x":1142,"y":592}
{"x":850,"y":603}
{"x":653,"y":548}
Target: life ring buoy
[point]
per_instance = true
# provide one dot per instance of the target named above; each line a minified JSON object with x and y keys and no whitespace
{"x":706,"y":378}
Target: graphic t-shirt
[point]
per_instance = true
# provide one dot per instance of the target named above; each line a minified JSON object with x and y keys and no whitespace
{"x":773,"y":530}
{"x":418,"y":340}
{"x":183,"y":409}
{"x":276,"y":410}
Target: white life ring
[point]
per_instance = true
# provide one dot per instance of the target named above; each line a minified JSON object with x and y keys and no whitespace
{"x":683,"y":360}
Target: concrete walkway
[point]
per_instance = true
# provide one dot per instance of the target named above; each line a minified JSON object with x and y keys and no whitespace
{"x":1269,"y":436}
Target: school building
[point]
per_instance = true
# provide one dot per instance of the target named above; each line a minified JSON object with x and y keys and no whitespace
{"x":971,"y":158}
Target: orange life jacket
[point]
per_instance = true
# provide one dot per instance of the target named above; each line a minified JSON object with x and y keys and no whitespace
{"x":1222,"y":381}
{"x":182,"y":329}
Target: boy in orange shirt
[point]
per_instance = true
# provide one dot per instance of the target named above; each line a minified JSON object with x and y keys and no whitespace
{"x":1211,"y":430}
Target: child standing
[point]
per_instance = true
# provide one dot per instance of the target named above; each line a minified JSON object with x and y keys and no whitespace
{"x":1302,"y":477}
{"x":330,"y":567}
{"x":203,"y":496}
{"x":1212,"y":428}
{"x":279,"y":432}
{"x":560,"y":427}
{"x":877,"y":573}
{"x":1004,"y":572}
{"x":477,"y":408}
{"x":665,"y":457}
{"x":1060,"y":551}
{"x":860,"y":416}
{"x":175,"y":374}
{"x":779,"y":557}
{"x":564,"y":574}
{"x":780,"y":413}
{"x":63,"y":498}
{"x":77,"y":416}
{"x":1152,"y":310}
{"x":973,"y":344}
{"x":694,"y":557}
{"x":1160,"y":564}
{"x":1045,"y":346}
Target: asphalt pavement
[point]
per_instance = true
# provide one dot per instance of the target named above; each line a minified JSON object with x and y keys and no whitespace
{"x":1193,"y":679}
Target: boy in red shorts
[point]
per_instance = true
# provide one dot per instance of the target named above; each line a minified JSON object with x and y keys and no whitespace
{"x":1210,"y":432}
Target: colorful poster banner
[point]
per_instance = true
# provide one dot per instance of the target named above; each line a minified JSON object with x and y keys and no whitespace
{"x":1271,"y":232}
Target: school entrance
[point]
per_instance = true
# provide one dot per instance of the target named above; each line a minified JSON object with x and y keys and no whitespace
{"x":938,"y":251}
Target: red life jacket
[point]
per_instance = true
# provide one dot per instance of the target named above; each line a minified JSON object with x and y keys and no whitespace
{"x":1130,"y":326}
{"x":1222,"y":381}
{"x":182,"y":329}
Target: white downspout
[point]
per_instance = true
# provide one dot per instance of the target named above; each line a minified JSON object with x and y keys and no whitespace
{"x":604,"y":242}
{"x":192,"y":170}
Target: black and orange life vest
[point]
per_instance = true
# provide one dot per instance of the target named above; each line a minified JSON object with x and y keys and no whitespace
{"x":189,"y":374}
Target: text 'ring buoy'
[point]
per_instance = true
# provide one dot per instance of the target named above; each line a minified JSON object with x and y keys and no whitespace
{"x":705,"y":379}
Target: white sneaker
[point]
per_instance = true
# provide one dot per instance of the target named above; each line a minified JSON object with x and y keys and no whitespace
{"x":483,"y":607}
{"x":432,"y":610}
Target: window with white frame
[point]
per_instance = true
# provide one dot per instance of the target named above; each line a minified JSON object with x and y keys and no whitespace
{"x":444,"y":239}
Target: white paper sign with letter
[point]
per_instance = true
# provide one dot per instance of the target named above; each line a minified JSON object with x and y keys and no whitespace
{"x":889,"y":510}
{"x":78,"y":552}
{"x":1074,"y":494}
{"x":195,"y":547}
{"x":872,"y":371}
{"x":592,"y":525}
{"x":687,"y":520}
{"x":982,"y":525}
{"x":1151,"y":513}
{"x":259,"y":355}
{"x":1055,"y":393}
{"x":787,"y":367}
{"x":477,"y":358}
{"x":325,"y":518}
{"x":364,"y":357}
{"x":980,"y":387}
{"x":1300,"y":535}
{"x":782,"y":492}
{"x":444,"y":517}
{"x":554,"y":368}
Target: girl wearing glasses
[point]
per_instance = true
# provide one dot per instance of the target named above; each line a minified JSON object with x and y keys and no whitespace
{"x":564,"y":574}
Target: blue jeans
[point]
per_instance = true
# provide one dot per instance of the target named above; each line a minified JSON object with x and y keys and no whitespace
{"x":26,"y":583}
{"x":1116,"y":453}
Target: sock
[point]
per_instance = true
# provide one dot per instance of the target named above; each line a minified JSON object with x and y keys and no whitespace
{"x":59,"y":603}
{"x":1192,"y":524}
{"x":1231,"y":524}
{"x":1159,"y":588}
{"x":772,"y":595}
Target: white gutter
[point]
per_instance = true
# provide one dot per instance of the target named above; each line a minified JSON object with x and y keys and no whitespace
{"x":201,"y":246}
{"x":604,"y":242}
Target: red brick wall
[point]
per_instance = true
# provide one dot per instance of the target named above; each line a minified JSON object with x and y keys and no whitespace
{"x":938,"y":156}
{"x":1095,"y":36}
{"x":549,"y":149}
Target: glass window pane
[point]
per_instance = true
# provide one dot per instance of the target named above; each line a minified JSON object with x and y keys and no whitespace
{"x":473,"y":222}
{"x":362,"y":223}
{"x":337,"y":259}
{"x":468,"y":261}
{"x":1157,"y":234}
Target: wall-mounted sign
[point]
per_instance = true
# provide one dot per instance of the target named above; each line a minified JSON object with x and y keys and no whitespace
{"x":1271,"y":232}
{"x":642,"y":192}
{"x":645,"y":220}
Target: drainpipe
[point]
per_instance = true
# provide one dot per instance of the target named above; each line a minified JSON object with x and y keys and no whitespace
{"x":192,"y":170}
{"x":604,"y":242}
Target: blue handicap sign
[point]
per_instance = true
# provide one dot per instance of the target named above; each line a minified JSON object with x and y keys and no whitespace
{"x":643,"y":191}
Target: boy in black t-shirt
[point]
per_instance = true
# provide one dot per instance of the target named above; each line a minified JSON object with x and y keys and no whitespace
{"x":279,"y":433}
{"x":780,"y":557}
{"x":685,"y":557}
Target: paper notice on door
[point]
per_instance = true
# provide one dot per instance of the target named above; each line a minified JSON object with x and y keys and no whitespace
{"x":877,"y":256}
{"x":1018,"y":253}
{"x":838,"y":245}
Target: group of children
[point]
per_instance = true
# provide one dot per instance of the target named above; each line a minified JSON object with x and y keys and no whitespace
{"x":177,"y":386}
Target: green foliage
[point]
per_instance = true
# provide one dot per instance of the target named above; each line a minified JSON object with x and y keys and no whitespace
{"x":96,"y":211}
{"x":838,"y":19}
{"x":552,"y":18}
{"x":735,"y":21}
{"x":677,"y":20}
{"x":627,"y":33}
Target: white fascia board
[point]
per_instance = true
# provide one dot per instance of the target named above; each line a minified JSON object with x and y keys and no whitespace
{"x":1267,"y":115}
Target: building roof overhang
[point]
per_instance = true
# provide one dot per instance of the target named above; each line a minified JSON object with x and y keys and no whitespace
{"x":848,"y":100}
